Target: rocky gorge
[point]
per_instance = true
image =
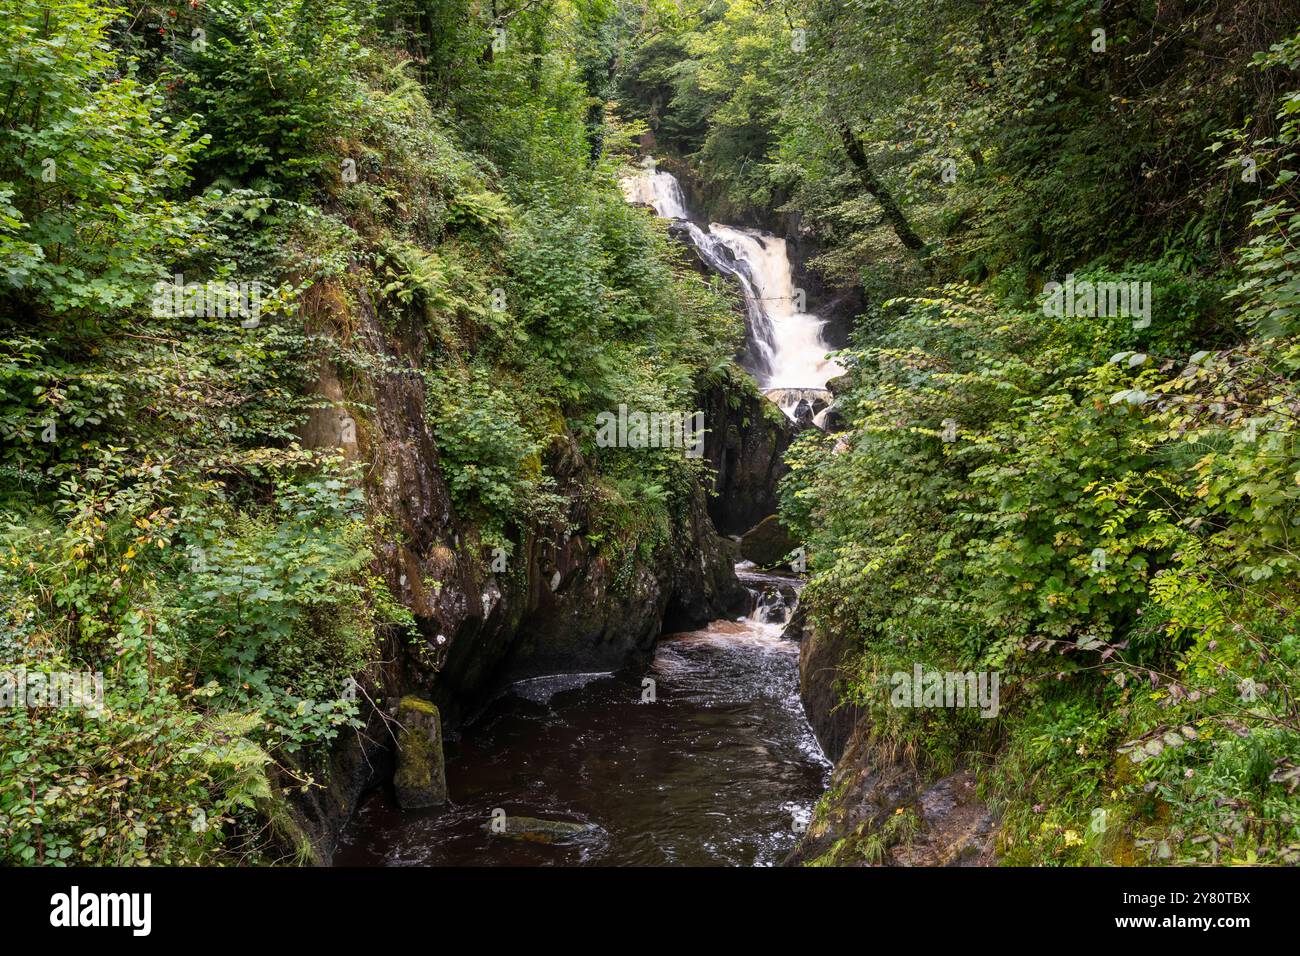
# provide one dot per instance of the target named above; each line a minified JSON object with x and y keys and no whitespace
{"x":556,"y":606}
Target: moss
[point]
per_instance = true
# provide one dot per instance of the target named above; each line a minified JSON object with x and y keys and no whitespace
{"x":420,"y":779}
{"x":287,"y":833}
{"x":417,"y":703}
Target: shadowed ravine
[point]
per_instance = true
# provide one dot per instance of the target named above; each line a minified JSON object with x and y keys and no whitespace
{"x":721,"y":766}
{"x":716,"y":770}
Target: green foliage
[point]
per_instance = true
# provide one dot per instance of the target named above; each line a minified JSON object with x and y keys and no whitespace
{"x":148,"y":780}
{"x":1006,"y":136}
{"x":1270,"y":293}
{"x":223,"y":636}
{"x":276,"y":607}
{"x":89,"y":162}
{"x":158,"y":522}
{"x":1099,"y":508}
{"x":490,"y":459}
{"x":277,"y":85}
{"x":1111,"y":534}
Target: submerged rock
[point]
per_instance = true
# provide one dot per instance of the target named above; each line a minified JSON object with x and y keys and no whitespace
{"x":421,"y":778}
{"x":536,"y":830}
{"x":803,"y":414}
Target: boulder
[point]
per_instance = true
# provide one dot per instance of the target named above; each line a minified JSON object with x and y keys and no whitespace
{"x":421,"y":777}
{"x":825,"y":667}
{"x":839,"y":385}
{"x":803,"y":414}
{"x":832,"y":419}
{"x":767,"y":543}
{"x":816,"y":399}
{"x":745,"y":445}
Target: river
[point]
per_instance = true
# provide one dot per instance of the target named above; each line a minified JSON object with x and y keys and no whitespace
{"x":720,"y":768}
{"x":704,"y":758}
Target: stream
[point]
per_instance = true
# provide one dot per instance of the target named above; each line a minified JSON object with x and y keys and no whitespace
{"x":720,"y":768}
{"x":705,"y":757}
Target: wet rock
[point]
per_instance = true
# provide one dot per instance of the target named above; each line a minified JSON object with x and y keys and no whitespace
{"x":420,"y":780}
{"x":767,"y":543}
{"x":775,"y":612}
{"x":833,"y":419}
{"x":770,"y":606}
{"x":816,"y":399}
{"x":604,"y":612}
{"x":879,"y":809}
{"x":822,"y":677}
{"x":854,"y":822}
{"x":745,"y":444}
{"x":794,"y":631}
{"x":557,"y":601}
{"x":956,"y":828}
{"x":536,"y":830}
{"x":305,"y":824}
{"x":839,"y":385}
{"x":702,"y":583}
{"x":803,"y":413}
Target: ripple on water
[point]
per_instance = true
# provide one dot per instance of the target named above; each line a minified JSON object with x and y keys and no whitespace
{"x":715,"y":771}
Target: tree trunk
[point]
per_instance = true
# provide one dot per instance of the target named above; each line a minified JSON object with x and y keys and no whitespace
{"x":888,"y":205}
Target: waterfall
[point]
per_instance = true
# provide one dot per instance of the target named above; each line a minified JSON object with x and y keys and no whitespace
{"x":659,"y":190}
{"x":760,"y":337}
{"x":786,"y":351}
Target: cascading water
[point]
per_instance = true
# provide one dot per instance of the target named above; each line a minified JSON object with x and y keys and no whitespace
{"x":715,"y":763}
{"x":787,"y":352}
{"x":659,"y":190}
{"x":719,"y":767}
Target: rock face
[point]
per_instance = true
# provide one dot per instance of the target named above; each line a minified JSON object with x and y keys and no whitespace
{"x":421,"y":779}
{"x":746,"y":445}
{"x":879,"y":809}
{"x":774,"y":596}
{"x":307,"y":823}
{"x":821,"y":684}
{"x":956,"y":829}
{"x":767,"y":543}
{"x":558,"y":602}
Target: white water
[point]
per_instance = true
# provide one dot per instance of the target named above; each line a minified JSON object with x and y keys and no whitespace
{"x":660,"y":190}
{"x":799,"y":354}
{"x":786,"y":345}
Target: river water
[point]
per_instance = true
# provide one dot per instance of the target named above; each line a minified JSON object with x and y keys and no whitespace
{"x":704,"y":758}
{"x":718,"y":769}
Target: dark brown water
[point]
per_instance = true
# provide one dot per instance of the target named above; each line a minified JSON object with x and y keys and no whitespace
{"x":718,"y":770}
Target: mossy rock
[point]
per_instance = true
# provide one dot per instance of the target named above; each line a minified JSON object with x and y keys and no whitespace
{"x":421,"y":777}
{"x":767,"y":543}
